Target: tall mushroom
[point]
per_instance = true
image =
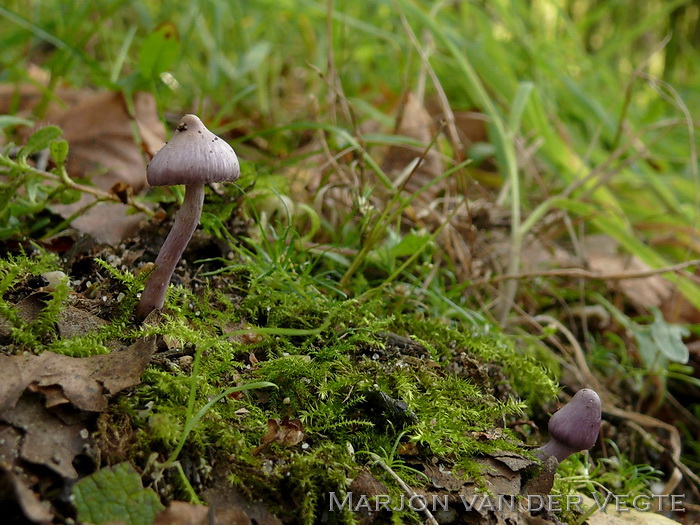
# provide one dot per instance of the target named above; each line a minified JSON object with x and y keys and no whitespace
{"x":574,"y":427}
{"x":193,"y":157}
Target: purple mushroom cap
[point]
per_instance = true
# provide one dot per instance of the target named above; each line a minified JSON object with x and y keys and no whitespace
{"x":574,"y":427}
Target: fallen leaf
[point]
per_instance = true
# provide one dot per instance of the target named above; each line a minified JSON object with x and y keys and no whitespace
{"x":28,"y":309}
{"x":442,"y":477}
{"x":366,"y":484}
{"x":288,"y":432}
{"x":85,"y":382}
{"x":602,"y":256}
{"x":22,"y":99}
{"x":12,"y":488}
{"x":499,"y":478}
{"x":415,"y":122}
{"x":35,"y":389}
{"x":46,"y":439}
{"x":183,"y":513}
{"x":513,"y":460}
{"x":102,"y":143}
{"x":108,"y":145}
{"x":103,"y":148}
{"x":230,"y":507}
{"x":73,"y":322}
{"x":542,"y":483}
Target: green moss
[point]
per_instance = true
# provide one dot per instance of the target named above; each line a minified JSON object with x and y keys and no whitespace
{"x":357,"y":377}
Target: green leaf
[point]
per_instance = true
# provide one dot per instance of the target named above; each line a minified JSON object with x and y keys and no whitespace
{"x":660,"y":342}
{"x":10,"y":120}
{"x":159,"y":51}
{"x":59,"y":151}
{"x":669,"y":338}
{"x":518,"y":107}
{"x":40,"y":140}
{"x":409,"y":245}
{"x":69,"y":196}
{"x":648,"y":349}
{"x":115,"y":494}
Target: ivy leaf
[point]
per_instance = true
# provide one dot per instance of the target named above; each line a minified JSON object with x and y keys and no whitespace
{"x":115,"y":494}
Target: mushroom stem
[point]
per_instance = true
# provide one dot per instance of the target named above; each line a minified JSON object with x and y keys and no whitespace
{"x":556,"y":449}
{"x":186,"y":220}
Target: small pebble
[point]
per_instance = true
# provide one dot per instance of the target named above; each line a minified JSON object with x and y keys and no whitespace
{"x":54,"y":279}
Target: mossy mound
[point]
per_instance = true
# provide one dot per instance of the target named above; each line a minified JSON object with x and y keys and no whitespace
{"x":352,"y":379}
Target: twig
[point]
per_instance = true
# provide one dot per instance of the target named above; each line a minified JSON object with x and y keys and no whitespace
{"x":407,"y":490}
{"x":579,"y":356}
{"x":580,"y":273}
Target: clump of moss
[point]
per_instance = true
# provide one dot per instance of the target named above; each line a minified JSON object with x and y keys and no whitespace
{"x":356,"y":377}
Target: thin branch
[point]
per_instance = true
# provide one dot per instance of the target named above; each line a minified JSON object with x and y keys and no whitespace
{"x":407,"y":490}
{"x":580,"y":273}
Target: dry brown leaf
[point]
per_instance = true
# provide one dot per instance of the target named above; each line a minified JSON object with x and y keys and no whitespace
{"x":542,"y":484}
{"x":73,"y":322}
{"x":107,"y":145}
{"x":288,"y":432}
{"x":102,"y":143}
{"x":47,"y":440}
{"x":513,"y":460}
{"x":441,"y":477}
{"x":644,"y":292}
{"x":500,"y":479}
{"x":14,"y":489}
{"x":40,"y":424}
{"x":84,"y":381}
{"x":22,"y":99}
{"x":104,"y":149}
{"x":27,"y":309}
{"x":677,"y":309}
{"x":414,"y":121}
{"x":183,"y":513}
{"x":230,"y":507}
{"x":471,"y":125}
{"x":365,"y":483}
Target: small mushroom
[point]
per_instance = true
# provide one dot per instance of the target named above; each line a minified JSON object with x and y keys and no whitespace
{"x":193,"y":157}
{"x":574,"y":427}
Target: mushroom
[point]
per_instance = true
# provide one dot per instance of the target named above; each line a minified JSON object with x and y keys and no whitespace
{"x":193,"y":157}
{"x":574,"y":427}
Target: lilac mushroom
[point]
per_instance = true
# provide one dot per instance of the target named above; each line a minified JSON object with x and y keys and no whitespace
{"x":193,"y":157}
{"x":574,"y":427}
